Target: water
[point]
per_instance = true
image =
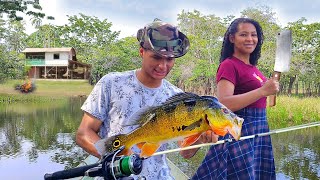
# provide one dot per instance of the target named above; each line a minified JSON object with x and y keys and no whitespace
{"x":297,"y":155}
{"x":38,"y":138}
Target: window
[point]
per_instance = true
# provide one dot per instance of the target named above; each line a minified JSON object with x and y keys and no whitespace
{"x":56,"y":56}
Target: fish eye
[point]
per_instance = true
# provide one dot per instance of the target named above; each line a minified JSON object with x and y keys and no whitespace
{"x":116,"y":143}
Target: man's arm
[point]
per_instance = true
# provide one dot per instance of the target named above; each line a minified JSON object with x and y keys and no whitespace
{"x":87,"y":134}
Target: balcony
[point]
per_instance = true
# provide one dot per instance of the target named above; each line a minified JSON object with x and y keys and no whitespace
{"x":35,"y":62}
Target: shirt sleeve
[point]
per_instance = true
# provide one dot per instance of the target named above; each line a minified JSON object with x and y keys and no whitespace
{"x":97,"y":103}
{"x":227,"y":71}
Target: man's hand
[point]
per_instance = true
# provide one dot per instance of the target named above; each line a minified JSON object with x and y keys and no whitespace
{"x":206,"y":137}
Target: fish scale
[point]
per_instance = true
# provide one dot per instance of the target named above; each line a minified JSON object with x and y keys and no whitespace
{"x":184,"y":116}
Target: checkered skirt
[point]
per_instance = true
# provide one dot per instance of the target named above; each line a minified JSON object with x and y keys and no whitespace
{"x":250,"y":159}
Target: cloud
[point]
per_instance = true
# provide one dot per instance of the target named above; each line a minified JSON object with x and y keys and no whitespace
{"x":128,"y":16}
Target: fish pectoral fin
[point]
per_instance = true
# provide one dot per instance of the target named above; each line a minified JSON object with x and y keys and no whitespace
{"x":219,"y":131}
{"x":148,"y":149}
{"x":189,"y":140}
{"x":139,"y":145}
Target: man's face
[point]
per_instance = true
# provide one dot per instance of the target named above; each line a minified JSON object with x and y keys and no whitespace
{"x":154,"y":65}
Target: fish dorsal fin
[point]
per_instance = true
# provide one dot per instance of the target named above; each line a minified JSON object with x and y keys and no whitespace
{"x":181,"y":97}
{"x":136,"y":120}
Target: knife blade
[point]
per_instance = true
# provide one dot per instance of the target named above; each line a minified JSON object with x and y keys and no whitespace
{"x":283,"y":58}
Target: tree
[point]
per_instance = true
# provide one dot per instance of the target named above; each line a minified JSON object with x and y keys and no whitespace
{"x":198,"y":67}
{"x":305,"y":63}
{"x":87,"y":34}
{"x":11,"y":8}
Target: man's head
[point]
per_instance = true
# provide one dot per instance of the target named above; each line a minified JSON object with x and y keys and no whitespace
{"x":163,"y":39}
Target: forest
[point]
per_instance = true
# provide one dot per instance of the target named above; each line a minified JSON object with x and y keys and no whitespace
{"x":99,"y":46}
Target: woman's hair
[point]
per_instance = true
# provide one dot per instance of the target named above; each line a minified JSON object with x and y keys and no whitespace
{"x":227,"y":49}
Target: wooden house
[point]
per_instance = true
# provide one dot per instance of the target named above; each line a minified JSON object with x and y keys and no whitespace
{"x":55,"y":63}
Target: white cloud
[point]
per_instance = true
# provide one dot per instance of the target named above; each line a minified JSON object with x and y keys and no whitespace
{"x":128,"y":16}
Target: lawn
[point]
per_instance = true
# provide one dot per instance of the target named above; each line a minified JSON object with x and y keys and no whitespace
{"x":51,"y":88}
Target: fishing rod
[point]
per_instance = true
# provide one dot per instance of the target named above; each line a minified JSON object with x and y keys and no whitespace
{"x":276,"y":131}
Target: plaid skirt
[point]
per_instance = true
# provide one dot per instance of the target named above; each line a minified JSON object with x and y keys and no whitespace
{"x":250,"y":159}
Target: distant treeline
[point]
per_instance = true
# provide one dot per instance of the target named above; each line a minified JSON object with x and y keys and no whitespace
{"x":97,"y":45}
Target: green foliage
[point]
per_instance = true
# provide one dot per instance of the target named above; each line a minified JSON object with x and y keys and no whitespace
{"x":122,"y":56}
{"x":97,"y":45}
{"x":87,"y":35}
{"x":29,"y":7}
{"x":11,"y":66}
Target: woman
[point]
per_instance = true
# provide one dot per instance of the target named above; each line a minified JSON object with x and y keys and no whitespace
{"x":243,"y":89}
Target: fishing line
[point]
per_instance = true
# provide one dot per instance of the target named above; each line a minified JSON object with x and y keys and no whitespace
{"x":292,"y":128}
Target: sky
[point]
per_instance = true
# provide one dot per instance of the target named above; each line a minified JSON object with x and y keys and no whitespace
{"x":127,"y":16}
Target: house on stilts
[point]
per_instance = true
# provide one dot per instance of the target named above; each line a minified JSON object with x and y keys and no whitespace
{"x":55,"y":63}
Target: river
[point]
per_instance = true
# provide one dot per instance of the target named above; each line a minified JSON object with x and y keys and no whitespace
{"x":38,"y":138}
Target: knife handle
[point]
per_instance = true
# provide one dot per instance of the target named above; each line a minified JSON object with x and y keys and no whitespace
{"x":272,"y":98}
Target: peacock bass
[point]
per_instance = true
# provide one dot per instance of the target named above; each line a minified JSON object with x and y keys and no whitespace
{"x":184,"y":116}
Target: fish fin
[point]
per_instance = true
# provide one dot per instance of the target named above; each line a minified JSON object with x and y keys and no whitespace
{"x":219,"y":131}
{"x":181,"y":96}
{"x":136,"y":120}
{"x":189,"y":140}
{"x":148,"y":149}
{"x":140,"y":145}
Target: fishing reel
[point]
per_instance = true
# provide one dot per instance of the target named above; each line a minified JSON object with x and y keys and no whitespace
{"x":109,"y":167}
{"x":120,"y":166}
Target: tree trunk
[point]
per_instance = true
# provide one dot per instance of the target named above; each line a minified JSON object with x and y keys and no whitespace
{"x":297,"y":87}
{"x":292,"y":79}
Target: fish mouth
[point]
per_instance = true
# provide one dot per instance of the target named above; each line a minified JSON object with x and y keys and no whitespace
{"x":235,"y":130}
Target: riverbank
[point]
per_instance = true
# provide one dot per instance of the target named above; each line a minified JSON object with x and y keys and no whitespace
{"x":48,"y":88}
{"x":289,"y":111}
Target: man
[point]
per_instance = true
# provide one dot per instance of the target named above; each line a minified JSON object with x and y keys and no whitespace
{"x":118,"y":95}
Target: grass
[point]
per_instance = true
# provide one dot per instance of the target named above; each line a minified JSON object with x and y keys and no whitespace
{"x":294,"y":111}
{"x":46,"y":90}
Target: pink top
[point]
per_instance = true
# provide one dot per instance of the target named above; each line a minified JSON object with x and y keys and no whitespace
{"x":244,"y":77}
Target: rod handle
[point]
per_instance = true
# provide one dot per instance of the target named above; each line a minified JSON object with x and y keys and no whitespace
{"x":70,"y":173}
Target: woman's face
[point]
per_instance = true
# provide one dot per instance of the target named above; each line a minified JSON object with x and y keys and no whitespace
{"x":245,"y":40}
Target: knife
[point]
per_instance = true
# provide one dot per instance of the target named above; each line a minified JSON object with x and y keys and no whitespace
{"x":283,"y":57}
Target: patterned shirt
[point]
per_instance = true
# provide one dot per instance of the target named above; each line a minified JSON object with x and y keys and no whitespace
{"x":115,"y":98}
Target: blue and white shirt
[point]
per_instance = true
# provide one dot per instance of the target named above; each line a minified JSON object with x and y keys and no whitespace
{"x":115,"y":98}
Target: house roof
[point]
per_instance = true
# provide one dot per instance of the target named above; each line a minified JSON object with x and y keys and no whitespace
{"x":65,"y":49}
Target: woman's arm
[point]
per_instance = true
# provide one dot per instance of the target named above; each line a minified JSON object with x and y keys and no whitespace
{"x":225,"y":91}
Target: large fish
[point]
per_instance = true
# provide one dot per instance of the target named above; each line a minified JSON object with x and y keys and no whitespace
{"x":184,"y":116}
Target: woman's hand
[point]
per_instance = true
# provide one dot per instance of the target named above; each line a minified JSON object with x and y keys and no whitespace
{"x":270,"y":87}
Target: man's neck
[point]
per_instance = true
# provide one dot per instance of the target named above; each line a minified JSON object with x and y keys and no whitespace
{"x":148,"y":81}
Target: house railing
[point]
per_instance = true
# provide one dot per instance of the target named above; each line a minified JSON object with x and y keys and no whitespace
{"x":35,"y":62}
